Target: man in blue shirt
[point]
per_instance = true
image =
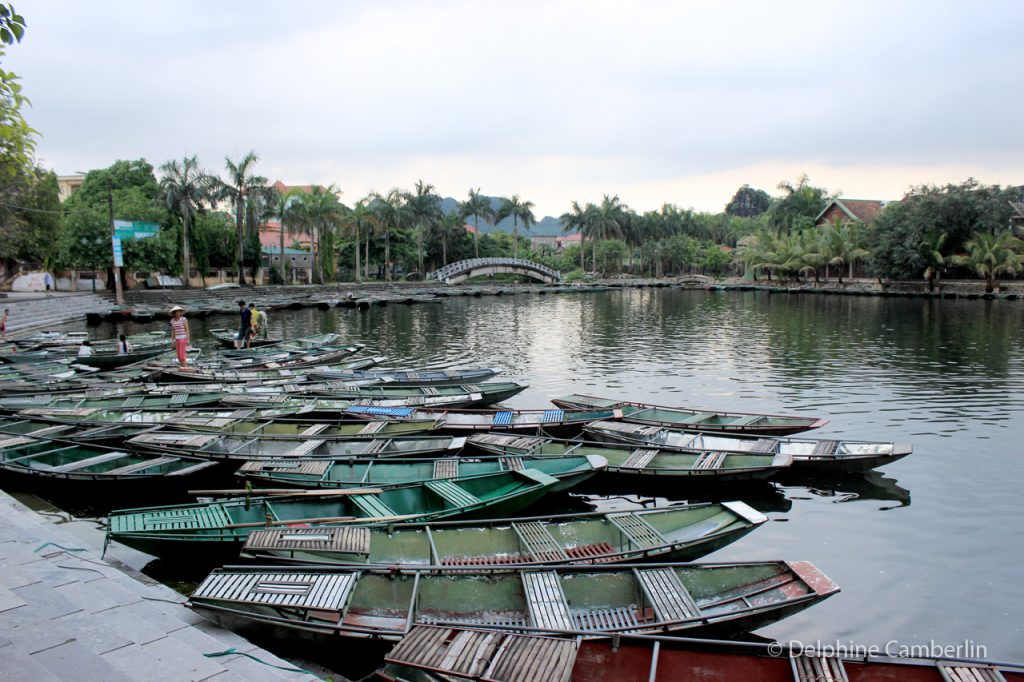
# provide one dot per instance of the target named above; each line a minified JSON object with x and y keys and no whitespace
{"x":242,"y":338}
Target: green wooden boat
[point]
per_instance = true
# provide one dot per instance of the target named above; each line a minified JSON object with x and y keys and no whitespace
{"x":73,"y":432}
{"x":112,"y":360}
{"x":418,"y":377}
{"x":130,"y":401}
{"x":333,"y":409}
{"x":708,"y":466}
{"x":690,"y":418}
{"x":303,"y":343}
{"x":283,"y":371}
{"x":488,"y":393}
{"x":681,"y":533}
{"x":561,"y":423}
{"x":251,"y":448}
{"x":227,"y":338}
{"x":217,"y":529}
{"x":283,"y":430}
{"x":356,"y":472}
{"x":203,"y":419}
{"x":811,"y":455}
{"x":692,"y":599}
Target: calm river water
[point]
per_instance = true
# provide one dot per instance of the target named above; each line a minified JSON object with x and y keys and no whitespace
{"x":925,"y":550}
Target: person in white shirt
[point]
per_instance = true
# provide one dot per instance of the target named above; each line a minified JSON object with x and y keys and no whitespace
{"x":85,"y":350}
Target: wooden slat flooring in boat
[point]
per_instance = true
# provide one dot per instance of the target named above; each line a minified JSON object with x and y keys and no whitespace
{"x":631,"y":428}
{"x":818,"y":668}
{"x":180,"y":519}
{"x":304,"y":449}
{"x":552,"y":416}
{"x":748,"y":420}
{"x":545,"y":601}
{"x":669,"y":598}
{"x":709,"y":461}
{"x":638,"y":459}
{"x":372,"y":427}
{"x":512,"y":463}
{"x":697,"y":418}
{"x":960,"y":672}
{"x":372,"y":506}
{"x":198,"y":466}
{"x":446,"y":468}
{"x":825,"y":448}
{"x":315,"y":429}
{"x":533,"y":659}
{"x":375,"y":446}
{"x":640,"y":533}
{"x":452,"y":493}
{"x":467,"y":653}
{"x":349,"y":539}
{"x":765,"y":445}
{"x":310,"y":467}
{"x":11,"y":442}
{"x":538,"y":542}
{"x":516,"y":442}
{"x":319,"y":591}
{"x":494,"y":620}
{"x":139,"y":467}
{"x":91,"y":461}
{"x":622,"y":618}
{"x":183,"y":440}
{"x":502,"y":418}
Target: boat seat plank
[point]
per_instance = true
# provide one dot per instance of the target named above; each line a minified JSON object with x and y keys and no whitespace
{"x":11,"y":442}
{"x":430,"y":390}
{"x":961,"y":672}
{"x":696,"y":418}
{"x":502,"y":418}
{"x":825,"y":448}
{"x":515,"y":442}
{"x":709,"y":461}
{"x":446,"y":468}
{"x":636,"y":529}
{"x":178,"y":399}
{"x":765,"y":445}
{"x":198,"y":466}
{"x":372,"y":506}
{"x":371,"y":427}
{"x":304,"y":449}
{"x":348,"y":539}
{"x":134,"y":401}
{"x":639,"y":459}
{"x":533,"y":659}
{"x":815,"y":668}
{"x":177,"y":519}
{"x":746,"y":420}
{"x":538,"y":542}
{"x":545,"y":601}
{"x":452,"y":493}
{"x":550,"y":416}
{"x":512,"y":463}
{"x":91,"y":461}
{"x":138,"y":467}
{"x":314,"y":429}
{"x":668,"y":596}
{"x":375,"y":409}
{"x":621,"y":618}
{"x":328,"y":592}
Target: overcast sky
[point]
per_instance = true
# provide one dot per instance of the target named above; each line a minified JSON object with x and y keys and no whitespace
{"x":677,"y":102}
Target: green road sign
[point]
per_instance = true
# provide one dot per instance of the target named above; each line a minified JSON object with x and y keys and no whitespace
{"x":135,"y":229}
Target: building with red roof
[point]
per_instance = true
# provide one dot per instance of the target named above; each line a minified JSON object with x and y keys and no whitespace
{"x":850,"y":211}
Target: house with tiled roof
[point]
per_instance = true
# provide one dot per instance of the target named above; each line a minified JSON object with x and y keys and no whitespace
{"x":850,"y":211}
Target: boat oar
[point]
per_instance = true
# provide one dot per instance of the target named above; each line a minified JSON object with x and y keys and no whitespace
{"x":292,"y":492}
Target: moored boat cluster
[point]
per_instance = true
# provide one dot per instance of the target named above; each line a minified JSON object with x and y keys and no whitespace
{"x":331,"y":498}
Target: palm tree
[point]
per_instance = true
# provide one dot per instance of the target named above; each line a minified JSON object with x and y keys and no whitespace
{"x":479,"y":207}
{"x":358,"y":220}
{"x":578,"y":219}
{"x":991,"y":256}
{"x":322,"y":212}
{"x":449,"y":224}
{"x":930,"y":250}
{"x":282,"y":206}
{"x":186,"y":187}
{"x":241,"y":182}
{"x":424,"y":206}
{"x":259,"y":208}
{"x":393,"y":212}
{"x":607,"y":222}
{"x":519,"y":210}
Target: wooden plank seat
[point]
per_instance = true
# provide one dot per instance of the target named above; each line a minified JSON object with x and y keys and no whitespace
{"x":640,"y":534}
{"x":198,"y":466}
{"x":697,"y":418}
{"x":765,"y":445}
{"x":328,"y":592}
{"x":550,"y":416}
{"x":178,"y":399}
{"x":709,"y":461}
{"x":134,"y":401}
{"x":818,"y":669}
{"x":182,"y":440}
{"x":311,"y":467}
{"x":538,"y":542}
{"x":17,"y":440}
{"x":597,"y":552}
{"x":139,"y":467}
{"x":315,"y":429}
{"x":88,"y":462}
{"x":668,"y":596}
{"x":371,"y":427}
{"x":638,"y":459}
{"x":512,"y":463}
{"x":747,"y":420}
{"x":377,"y":409}
{"x":372,"y":506}
{"x":962,"y":672}
{"x":452,"y":493}
{"x":484,"y":560}
{"x":494,"y":619}
{"x":304,"y":449}
{"x":545,"y":601}
{"x":430,"y":390}
{"x":516,"y":442}
{"x":623,"y":618}
{"x":196,"y":517}
{"x":349,"y":539}
{"x":825,"y":448}
{"x":377,"y":445}
{"x":446,"y":468}
{"x":503,"y":418}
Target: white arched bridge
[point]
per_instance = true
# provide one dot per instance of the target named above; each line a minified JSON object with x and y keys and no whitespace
{"x":453,"y":273}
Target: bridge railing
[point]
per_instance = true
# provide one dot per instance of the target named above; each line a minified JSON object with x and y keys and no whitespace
{"x":474,"y":263}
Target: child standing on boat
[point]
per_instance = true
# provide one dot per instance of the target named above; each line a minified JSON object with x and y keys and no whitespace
{"x":180,"y":335}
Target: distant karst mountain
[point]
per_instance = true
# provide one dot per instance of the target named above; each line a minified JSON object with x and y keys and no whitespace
{"x":547,"y":226}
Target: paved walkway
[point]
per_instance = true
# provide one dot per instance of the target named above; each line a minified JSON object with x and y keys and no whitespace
{"x":69,"y":615}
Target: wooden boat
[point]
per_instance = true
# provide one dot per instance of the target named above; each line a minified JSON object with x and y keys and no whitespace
{"x":102,"y":474}
{"x":380,"y":473}
{"x":419,"y":377}
{"x":557,"y":422}
{"x":487,"y":393}
{"x":227,"y":338}
{"x":112,"y":360}
{"x":302,"y":343}
{"x":131,"y":401}
{"x":332,"y":409}
{"x":690,"y":418}
{"x":281,"y":370}
{"x":433,"y":653}
{"x":312,"y":447}
{"x":78,"y":433}
{"x":704,"y":467}
{"x":705,"y":599}
{"x":808,"y":454}
{"x":680,"y":533}
{"x":214,"y":530}
{"x":213,"y":418}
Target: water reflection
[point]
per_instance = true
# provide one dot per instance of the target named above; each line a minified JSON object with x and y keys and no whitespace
{"x":870,"y":485}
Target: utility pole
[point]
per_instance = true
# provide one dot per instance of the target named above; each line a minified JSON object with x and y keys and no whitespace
{"x":118,"y":293}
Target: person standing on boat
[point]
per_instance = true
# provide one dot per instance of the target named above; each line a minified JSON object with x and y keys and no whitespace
{"x":244,"y":327}
{"x":180,"y":335}
{"x":85,"y":350}
{"x":123,"y":345}
{"x":259,"y":322}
